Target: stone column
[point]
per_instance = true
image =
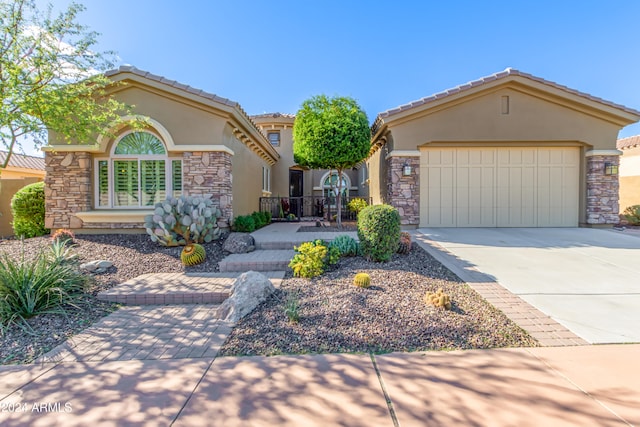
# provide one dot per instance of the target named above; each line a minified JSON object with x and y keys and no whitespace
{"x":403,"y":192}
{"x":67,"y":188}
{"x":210,"y":173}
{"x":602,"y":190}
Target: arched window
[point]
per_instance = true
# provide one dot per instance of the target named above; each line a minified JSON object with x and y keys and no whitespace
{"x":330,"y":184}
{"x":138,"y":174}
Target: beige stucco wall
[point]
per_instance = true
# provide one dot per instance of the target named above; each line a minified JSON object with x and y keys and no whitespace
{"x":629,"y":178}
{"x":187,"y":124}
{"x":480,"y":119}
{"x":246,"y":174}
{"x":280,"y":171}
{"x":18,"y":173}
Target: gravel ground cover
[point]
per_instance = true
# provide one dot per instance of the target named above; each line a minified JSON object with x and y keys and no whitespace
{"x":131,"y":254}
{"x":336,"y":316}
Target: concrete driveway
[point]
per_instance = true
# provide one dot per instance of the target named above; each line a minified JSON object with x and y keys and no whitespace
{"x":586,"y":279}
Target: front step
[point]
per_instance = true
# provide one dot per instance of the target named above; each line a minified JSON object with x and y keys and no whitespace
{"x":259,"y":260}
{"x":290,"y":241}
{"x":177,"y":288}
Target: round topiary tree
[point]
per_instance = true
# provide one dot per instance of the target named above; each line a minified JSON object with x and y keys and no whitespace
{"x":379,"y":232}
{"x":331,"y":133}
{"x":27,"y":206}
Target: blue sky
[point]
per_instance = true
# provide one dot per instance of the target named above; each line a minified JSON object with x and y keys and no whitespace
{"x":272,"y":55}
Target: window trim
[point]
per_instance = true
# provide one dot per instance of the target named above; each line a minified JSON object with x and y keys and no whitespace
{"x":279,"y":138}
{"x":168,"y":173}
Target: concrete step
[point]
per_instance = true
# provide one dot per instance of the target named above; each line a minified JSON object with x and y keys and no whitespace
{"x":258,"y":260}
{"x":178,"y":288}
{"x":290,"y":240}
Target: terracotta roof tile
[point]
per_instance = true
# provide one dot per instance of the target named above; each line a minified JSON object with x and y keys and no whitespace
{"x":629,"y":142}
{"x":23,"y":161}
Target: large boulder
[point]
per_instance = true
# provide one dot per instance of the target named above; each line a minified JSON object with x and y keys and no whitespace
{"x":239,"y":243}
{"x":249,"y":290}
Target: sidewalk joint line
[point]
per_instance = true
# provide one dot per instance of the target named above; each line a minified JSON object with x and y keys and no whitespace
{"x":387,"y":398}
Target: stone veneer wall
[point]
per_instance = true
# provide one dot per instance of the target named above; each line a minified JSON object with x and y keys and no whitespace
{"x":602,"y":191}
{"x":403,"y":192}
{"x":67,"y":188}
{"x":209,"y":173}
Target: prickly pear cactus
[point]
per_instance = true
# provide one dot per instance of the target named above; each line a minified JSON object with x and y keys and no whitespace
{"x":362,"y":280}
{"x":181,"y":220}
{"x":405,"y":243}
{"x":193,"y":254}
{"x":438,"y":299}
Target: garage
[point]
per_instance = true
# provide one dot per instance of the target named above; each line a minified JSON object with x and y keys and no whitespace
{"x":499,"y":186}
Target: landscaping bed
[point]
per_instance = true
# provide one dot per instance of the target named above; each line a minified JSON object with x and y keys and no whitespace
{"x":131,"y":254}
{"x":336,"y":316}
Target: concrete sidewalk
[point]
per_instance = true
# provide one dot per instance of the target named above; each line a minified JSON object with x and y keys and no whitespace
{"x":562,"y":386}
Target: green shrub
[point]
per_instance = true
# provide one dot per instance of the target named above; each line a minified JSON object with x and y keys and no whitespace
{"x":632,"y":214}
{"x":267,"y":217}
{"x":258,"y":220}
{"x":357,"y":204}
{"x":244,"y":224}
{"x":312,"y":258}
{"x":379,"y":232}
{"x":347,"y":245}
{"x":27,"y":206}
{"x":28,"y":288}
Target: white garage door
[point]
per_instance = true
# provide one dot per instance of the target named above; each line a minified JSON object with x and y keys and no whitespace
{"x":499,"y":187}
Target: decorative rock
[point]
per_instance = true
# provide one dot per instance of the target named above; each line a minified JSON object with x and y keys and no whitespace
{"x":97,"y":267}
{"x":239,"y":243}
{"x":248,"y":291}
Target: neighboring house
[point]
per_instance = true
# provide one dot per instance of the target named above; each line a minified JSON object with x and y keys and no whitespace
{"x":508,"y":150}
{"x":629,"y":171}
{"x":504,"y":151}
{"x":21,"y":170}
{"x":22,"y":166}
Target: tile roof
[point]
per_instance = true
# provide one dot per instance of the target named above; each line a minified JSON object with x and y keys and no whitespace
{"x":629,"y":142}
{"x":273,"y":116}
{"x":23,"y":161}
{"x":181,"y":86}
{"x":497,"y":76}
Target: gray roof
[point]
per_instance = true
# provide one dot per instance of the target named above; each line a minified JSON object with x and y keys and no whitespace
{"x":23,"y":161}
{"x":494,"y":77}
{"x":629,"y":142}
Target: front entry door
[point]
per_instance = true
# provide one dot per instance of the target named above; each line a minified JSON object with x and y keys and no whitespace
{"x":295,"y":192}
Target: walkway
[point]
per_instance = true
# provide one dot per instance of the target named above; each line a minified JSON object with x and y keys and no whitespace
{"x":158,"y":365}
{"x":562,"y":386}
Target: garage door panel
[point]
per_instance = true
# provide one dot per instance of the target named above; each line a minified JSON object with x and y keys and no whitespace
{"x":504,"y":187}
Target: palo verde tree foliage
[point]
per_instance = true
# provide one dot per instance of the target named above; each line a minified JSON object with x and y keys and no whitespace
{"x":50,"y":77}
{"x":331,"y":133}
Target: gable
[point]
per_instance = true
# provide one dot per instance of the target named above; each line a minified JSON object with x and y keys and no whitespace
{"x":504,"y":113}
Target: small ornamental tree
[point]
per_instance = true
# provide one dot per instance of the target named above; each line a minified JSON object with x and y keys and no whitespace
{"x":331,"y":133}
{"x":51,"y":77}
